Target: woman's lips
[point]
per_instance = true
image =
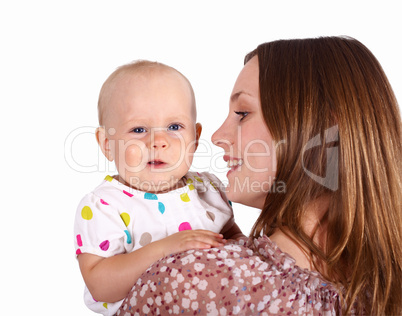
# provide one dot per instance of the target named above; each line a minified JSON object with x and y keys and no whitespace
{"x":233,"y":162}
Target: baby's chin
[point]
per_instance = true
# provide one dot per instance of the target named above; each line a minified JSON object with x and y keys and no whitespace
{"x":154,"y":185}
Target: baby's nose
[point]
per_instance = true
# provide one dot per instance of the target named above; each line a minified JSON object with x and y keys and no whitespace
{"x":159,"y":140}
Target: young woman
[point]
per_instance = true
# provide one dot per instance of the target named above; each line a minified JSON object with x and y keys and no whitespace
{"x":313,"y":139}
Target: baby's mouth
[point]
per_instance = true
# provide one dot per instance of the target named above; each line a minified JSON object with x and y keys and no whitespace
{"x":156,"y":163}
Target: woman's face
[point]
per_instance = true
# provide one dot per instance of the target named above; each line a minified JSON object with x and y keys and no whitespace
{"x":248,"y":144}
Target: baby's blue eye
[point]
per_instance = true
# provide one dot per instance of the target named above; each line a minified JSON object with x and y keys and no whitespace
{"x":138,"y":130}
{"x":174,"y":127}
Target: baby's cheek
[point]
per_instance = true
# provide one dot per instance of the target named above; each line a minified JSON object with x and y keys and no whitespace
{"x":134,"y":156}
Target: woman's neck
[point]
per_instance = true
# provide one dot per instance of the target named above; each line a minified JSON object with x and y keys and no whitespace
{"x":314,"y":226}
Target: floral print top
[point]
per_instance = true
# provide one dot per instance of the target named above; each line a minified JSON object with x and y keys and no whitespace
{"x":245,"y":277}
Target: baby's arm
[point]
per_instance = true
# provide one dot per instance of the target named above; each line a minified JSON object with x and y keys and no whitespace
{"x":110,"y":279}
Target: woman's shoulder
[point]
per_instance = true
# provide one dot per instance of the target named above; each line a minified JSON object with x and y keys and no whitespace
{"x":245,"y":277}
{"x":284,"y":265}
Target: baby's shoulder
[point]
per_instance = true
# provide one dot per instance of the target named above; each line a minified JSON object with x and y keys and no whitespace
{"x":106,"y":193}
{"x":206,"y":184}
{"x":203,"y":177}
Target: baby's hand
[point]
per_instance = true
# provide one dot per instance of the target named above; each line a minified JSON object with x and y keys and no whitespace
{"x":191,"y":239}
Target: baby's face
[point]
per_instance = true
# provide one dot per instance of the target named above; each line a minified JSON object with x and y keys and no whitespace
{"x":151,"y":127}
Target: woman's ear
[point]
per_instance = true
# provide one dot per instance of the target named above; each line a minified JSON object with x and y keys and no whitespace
{"x":103,"y":142}
{"x":198,"y":130}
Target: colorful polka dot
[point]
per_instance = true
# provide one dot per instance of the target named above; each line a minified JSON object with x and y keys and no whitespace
{"x":145,"y":239}
{"x":150,"y":196}
{"x":78,"y":252}
{"x":198,"y":179}
{"x":184,"y":197}
{"x":86,"y":213}
{"x":190,"y":184}
{"x":109,"y":178}
{"x":161,"y":207}
{"x":105,"y":305}
{"x":211,"y":216}
{"x":103,"y":202}
{"x":79,"y":240}
{"x":184,"y":226}
{"x":129,"y":241}
{"x":126,"y":218}
{"x":104,"y":245}
{"x":127,"y":193}
{"x":213,"y":185}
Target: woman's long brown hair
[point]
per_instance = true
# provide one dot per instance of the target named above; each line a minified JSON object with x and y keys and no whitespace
{"x":331,"y":107}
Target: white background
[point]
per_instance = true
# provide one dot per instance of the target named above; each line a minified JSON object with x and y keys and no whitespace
{"x":54,"y":57}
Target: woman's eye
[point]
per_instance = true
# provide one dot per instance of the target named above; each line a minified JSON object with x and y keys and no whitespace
{"x":174,"y":127}
{"x":138,"y":130}
{"x":241,"y":114}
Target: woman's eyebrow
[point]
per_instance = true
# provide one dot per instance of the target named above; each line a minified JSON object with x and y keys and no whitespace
{"x":236,"y":95}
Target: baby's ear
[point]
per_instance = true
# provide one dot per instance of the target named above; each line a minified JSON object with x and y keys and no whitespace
{"x":103,"y":142}
{"x":198,"y":130}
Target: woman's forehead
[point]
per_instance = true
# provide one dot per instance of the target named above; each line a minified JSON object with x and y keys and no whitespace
{"x":247,"y":83}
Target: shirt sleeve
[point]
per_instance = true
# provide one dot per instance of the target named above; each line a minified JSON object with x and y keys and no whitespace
{"x":100,"y":229}
{"x":217,"y":186}
{"x":224,"y":205}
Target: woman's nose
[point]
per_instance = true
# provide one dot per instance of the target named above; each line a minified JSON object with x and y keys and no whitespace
{"x":222,"y":137}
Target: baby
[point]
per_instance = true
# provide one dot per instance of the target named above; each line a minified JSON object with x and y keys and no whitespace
{"x":155,"y":206}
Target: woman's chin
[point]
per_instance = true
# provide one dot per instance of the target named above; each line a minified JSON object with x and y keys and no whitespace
{"x":247,"y":199}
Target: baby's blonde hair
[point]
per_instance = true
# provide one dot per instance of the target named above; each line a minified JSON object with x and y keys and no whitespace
{"x":135,"y":67}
